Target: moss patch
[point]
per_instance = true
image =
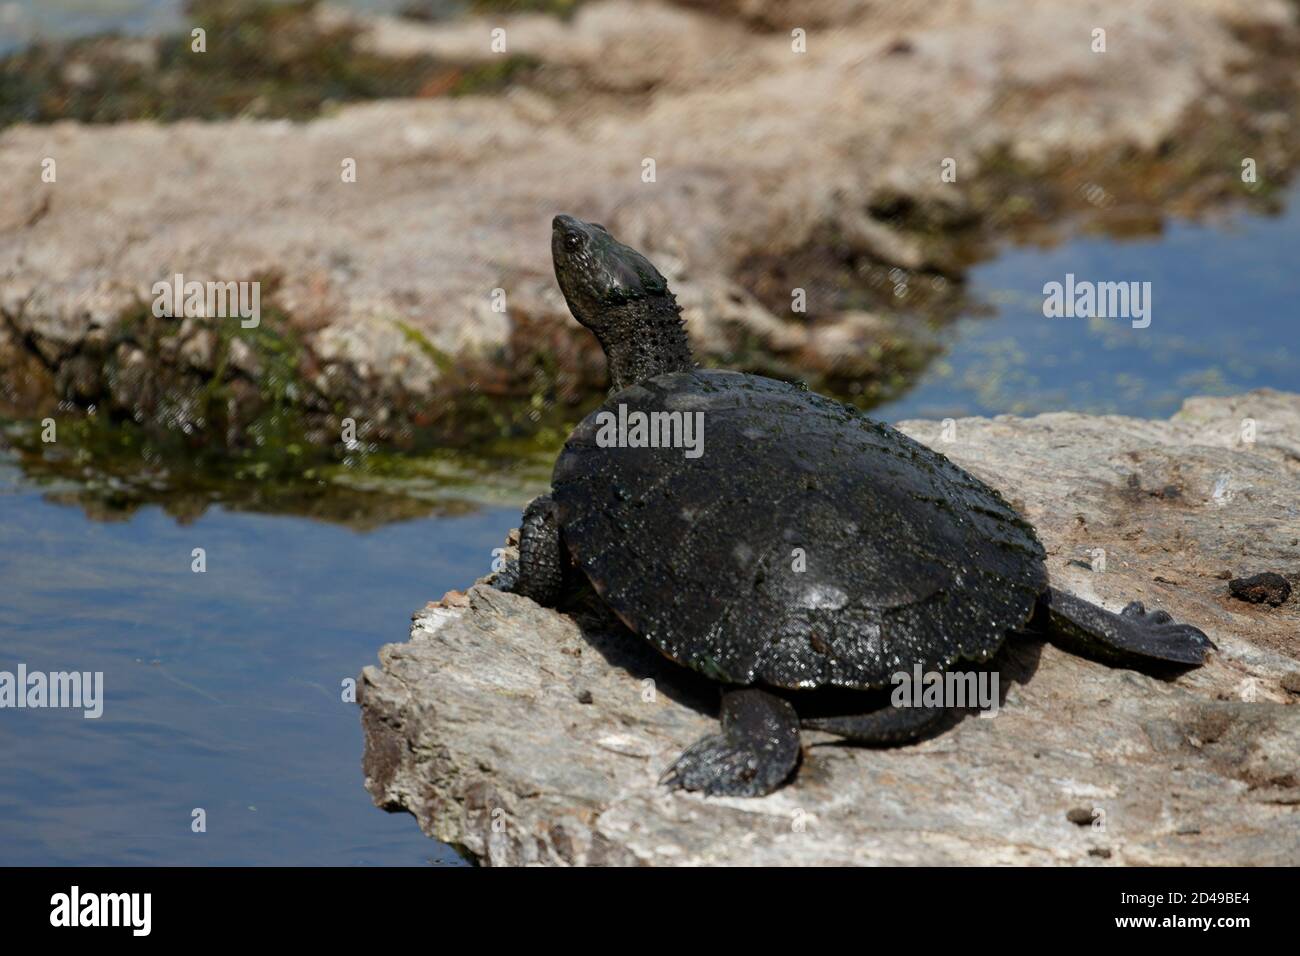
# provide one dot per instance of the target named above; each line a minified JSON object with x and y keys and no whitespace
{"x":262,"y":58}
{"x":249,"y":430}
{"x":559,"y":8}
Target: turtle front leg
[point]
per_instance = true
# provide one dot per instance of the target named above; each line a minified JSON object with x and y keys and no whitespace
{"x":539,"y":572}
{"x":1135,"y":637}
{"x":755,"y":753}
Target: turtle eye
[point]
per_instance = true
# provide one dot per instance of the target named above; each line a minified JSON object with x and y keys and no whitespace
{"x":574,"y":241}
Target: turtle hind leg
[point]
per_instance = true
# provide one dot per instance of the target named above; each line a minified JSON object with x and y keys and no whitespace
{"x":756,"y":751}
{"x":1135,"y":637}
{"x":539,"y":572}
{"x":885,"y":726}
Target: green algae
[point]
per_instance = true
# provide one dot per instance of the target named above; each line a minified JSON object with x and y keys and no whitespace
{"x":252,"y":442}
{"x":557,"y":8}
{"x":262,"y":58}
{"x":112,"y":468}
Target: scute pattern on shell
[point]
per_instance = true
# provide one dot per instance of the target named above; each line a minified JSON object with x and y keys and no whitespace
{"x":909,"y":559}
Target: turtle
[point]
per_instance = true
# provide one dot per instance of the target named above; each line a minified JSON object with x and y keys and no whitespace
{"x":792,"y":546}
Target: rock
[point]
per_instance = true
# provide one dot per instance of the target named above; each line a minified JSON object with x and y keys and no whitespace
{"x":198,"y":349}
{"x":389,"y":283}
{"x":1269,"y":587}
{"x":477,"y":725}
{"x":781,"y":14}
{"x":244,"y":358}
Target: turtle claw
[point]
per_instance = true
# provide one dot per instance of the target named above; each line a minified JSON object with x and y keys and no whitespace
{"x":1165,"y":637}
{"x":1178,"y":643}
{"x":1136,"y":609}
{"x":756,"y":751}
{"x":507,"y":579}
{"x":714,"y":767}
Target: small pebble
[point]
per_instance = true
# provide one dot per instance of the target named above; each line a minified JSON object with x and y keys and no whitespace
{"x":584,"y":697}
{"x":1268,"y":587}
{"x":1080,"y":816}
{"x":453,"y":599}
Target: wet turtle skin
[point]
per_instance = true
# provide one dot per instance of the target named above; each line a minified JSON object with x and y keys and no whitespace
{"x":807,"y":546}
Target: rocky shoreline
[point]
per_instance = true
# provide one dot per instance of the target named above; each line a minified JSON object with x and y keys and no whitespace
{"x":522,"y":735}
{"x":417,"y":300}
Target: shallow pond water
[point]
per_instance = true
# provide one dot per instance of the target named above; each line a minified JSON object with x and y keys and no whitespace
{"x":1225,"y":302}
{"x":222,"y":689}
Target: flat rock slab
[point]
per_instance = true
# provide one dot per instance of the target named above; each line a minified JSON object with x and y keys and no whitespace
{"x":521,"y":736}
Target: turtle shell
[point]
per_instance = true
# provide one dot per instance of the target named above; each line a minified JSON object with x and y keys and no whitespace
{"x":806,"y":546}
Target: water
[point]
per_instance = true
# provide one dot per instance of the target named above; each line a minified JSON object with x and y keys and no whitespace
{"x":223,"y":689}
{"x":1225,"y":305}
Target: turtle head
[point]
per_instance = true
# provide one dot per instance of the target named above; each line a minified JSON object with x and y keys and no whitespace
{"x":597,"y":273}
